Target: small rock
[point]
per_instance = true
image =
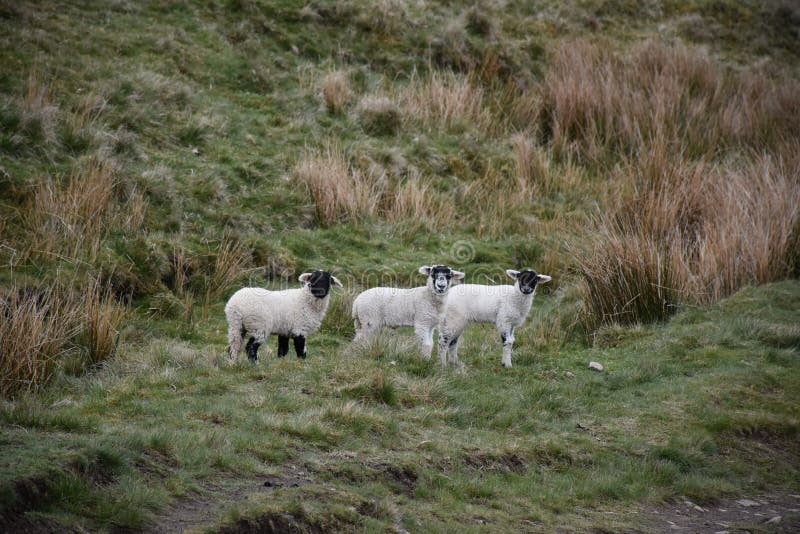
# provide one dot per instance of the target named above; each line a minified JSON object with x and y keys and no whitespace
{"x":569,"y":374}
{"x":392,"y":362}
{"x":722,"y":532}
{"x":699,"y":508}
{"x":747,"y":502}
{"x":775,"y":520}
{"x":595,"y":366}
{"x":581,"y":427}
{"x":196,"y":151}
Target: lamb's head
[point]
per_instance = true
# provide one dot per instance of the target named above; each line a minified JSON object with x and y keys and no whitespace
{"x":527,"y":280}
{"x":319,"y":283}
{"x":439,"y":277}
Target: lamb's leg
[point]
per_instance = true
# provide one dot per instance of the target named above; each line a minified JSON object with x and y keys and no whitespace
{"x":424,"y":335}
{"x":444,"y":343}
{"x":453,"y":349}
{"x":252,"y":349}
{"x":300,"y":346}
{"x":507,"y":335}
{"x":235,"y":336}
{"x":283,"y":346}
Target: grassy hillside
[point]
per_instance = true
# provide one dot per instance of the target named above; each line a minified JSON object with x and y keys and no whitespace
{"x":156,"y":156}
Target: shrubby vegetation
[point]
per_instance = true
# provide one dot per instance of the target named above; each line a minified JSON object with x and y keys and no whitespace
{"x":155,"y":157}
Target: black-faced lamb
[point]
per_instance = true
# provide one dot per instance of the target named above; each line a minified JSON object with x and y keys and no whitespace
{"x":420,"y":307}
{"x":504,"y":306}
{"x":291,"y":313}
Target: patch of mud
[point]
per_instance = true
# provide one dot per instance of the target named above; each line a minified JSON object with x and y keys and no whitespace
{"x":404,"y":478}
{"x":200,"y":510}
{"x":274,"y":524}
{"x":503,"y":463}
{"x":772,"y":513}
{"x":29,"y":494}
{"x":156,"y":464}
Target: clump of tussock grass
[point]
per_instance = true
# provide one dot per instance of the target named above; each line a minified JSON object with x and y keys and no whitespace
{"x":445,"y":100}
{"x":689,"y":233}
{"x":32,"y":119}
{"x":102,"y":317}
{"x":597,"y":103}
{"x":53,"y":325}
{"x":35,"y":331}
{"x":379,"y":115}
{"x":339,"y":191}
{"x":71,"y":219}
{"x":532,"y":166}
{"x":342,"y":192}
{"x":336,"y":91}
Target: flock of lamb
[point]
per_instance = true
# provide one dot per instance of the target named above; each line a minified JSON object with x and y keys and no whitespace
{"x":297,"y":313}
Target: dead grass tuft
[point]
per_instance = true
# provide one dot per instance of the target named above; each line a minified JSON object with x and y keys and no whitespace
{"x":691,"y":233}
{"x":336,"y":91}
{"x":445,"y":100}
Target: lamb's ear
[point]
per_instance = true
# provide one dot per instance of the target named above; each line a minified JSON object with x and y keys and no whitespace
{"x":542,"y":279}
{"x":425,"y":270}
{"x":336,"y":281}
{"x":512,"y":273}
{"x":458,"y":275}
{"x":304,"y":277}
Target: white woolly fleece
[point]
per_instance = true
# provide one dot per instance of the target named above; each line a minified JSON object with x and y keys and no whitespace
{"x":261,"y":313}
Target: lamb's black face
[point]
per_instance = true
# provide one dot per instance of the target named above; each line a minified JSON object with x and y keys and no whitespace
{"x":527,"y":280}
{"x":441,"y":276}
{"x":320,"y":284}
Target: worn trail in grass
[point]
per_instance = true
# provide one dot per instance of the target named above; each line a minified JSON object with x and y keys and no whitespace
{"x":372,"y":437}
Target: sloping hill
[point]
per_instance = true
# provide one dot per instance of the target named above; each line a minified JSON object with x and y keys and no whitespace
{"x":156,"y":156}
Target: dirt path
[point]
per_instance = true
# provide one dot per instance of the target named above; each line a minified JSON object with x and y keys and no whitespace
{"x":199,"y":511}
{"x":769,"y":513}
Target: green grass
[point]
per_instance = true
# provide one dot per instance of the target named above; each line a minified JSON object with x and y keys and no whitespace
{"x":701,"y":407}
{"x":204,"y":109}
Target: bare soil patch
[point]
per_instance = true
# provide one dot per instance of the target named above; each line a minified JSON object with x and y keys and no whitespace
{"x":766,"y":513}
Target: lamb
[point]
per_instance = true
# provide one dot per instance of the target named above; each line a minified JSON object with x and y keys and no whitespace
{"x":505,"y":306}
{"x":291,"y":313}
{"x":420,"y":307}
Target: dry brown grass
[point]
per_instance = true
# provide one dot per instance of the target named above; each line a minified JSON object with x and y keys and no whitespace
{"x":339,"y":191}
{"x":336,"y":91}
{"x":35,"y":331}
{"x":692,"y":233}
{"x":102,"y":317}
{"x":597,"y":103}
{"x":70,"y":219}
{"x":342,"y":192}
{"x":444,"y":100}
{"x":42,"y":326}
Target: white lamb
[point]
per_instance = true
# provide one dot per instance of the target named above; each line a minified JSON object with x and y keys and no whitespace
{"x":420,"y":307}
{"x":504,"y":306}
{"x":291,"y":313}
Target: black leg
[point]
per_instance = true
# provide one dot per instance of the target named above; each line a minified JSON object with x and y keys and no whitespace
{"x":283,"y":346}
{"x":454,"y":341}
{"x":252,"y":349}
{"x":300,"y":346}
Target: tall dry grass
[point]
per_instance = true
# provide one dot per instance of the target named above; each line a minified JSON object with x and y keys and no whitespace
{"x":43,"y":326}
{"x":35,"y":331}
{"x":692,"y":233}
{"x":102,"y":318}
{"x":336,"y":91}
{"x":700,"y":171}
{"x":342,"y":192}
{"x":444,"y":100}
{"x":70,"y":218}
{"x":597,"y":103}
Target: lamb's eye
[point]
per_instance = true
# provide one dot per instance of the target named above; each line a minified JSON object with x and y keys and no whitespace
{"x":448,"y":276}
